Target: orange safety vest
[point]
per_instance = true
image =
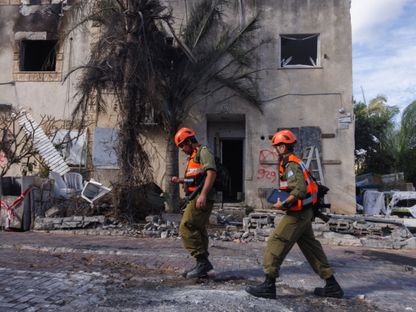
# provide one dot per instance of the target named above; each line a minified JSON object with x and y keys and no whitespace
{"x":194,"y":174}
{"x":311,"y":186}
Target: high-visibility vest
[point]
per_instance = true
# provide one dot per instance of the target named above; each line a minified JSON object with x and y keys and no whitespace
{"x":194,"y":173}
{"x":311,"y":186}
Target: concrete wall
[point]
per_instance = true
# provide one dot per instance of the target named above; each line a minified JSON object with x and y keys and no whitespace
{"x":296,"y":97}
{"x":293,"y":97}
{"x":39,"y":92}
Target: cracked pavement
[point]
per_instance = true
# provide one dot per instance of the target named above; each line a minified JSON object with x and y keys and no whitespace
{"x":66,"y":272}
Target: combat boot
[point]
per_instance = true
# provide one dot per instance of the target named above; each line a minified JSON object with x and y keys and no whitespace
{"x":203,"y":266}
{"x":331,"y":289}
{"x":185,"y":273}
{"x":267,"y":289}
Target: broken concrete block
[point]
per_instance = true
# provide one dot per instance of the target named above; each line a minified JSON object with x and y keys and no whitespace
{"x":320,"y":227}
{"x":152,"y":219}
{"x":231,"y":228}
{"x":95,"y":219}
{"x":41,"y":226}
{"x":245,"y":235}
{"x":151,"y":233}
{"x":172,"y":217}
{"x":164,"y":234}
{"x":410,"y":243}
{"x":377,"y":243}
{"x":246,"y":223}
{"x":78,"y":218}
{"x":213,"y":219}
{"x":52,"y":212}
{"x":70,"y":225}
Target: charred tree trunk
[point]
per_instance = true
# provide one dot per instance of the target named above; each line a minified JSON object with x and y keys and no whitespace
{"x":172,"y":169}
{"x":135,"y":164}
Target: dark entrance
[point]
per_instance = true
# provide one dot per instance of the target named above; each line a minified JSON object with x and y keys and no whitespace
{"x":232,"y":159}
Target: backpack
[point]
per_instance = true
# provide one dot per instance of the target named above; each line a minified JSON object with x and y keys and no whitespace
{"x":320,"y":205}
{"x":223,"y":179}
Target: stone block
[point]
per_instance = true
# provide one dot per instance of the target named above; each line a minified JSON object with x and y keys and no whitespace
{"x":35,"y":76}
{"x":48,"y":77}
{"x":95,"y":219}
{"x":321,"y":227}
{"x":410,"y":243}
{"x":52,"y":212}
{"x":71,"y":225}
{"x":377,"y":243}
{"x":231,"y":228}
{"x":152,"y":219}
{"x":151,"y":233}
{"x":39,"y":226}
{"x":172,"y":217}
{"x":213,"y":219}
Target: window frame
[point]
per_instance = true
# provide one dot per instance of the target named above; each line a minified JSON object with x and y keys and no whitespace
{"x":306,"y":35}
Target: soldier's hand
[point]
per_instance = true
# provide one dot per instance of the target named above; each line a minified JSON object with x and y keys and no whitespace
{"x":279,"y":204}
{"x":201,"y":201}
{"x":175,"y":180}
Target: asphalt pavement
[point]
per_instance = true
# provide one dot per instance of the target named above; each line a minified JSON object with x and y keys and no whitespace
{"x":66,"y":272}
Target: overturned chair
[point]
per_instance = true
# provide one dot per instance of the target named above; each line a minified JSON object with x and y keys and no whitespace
{"x":94,"y":190}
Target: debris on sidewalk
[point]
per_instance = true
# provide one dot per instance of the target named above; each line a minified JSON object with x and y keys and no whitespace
{"x":342,"y":230}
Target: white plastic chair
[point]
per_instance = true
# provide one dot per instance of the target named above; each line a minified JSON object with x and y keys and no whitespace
{"x":68,"y":186}
{"x":73,"y":180}
{"x":61,"y":189}
{"x":93,"y":190}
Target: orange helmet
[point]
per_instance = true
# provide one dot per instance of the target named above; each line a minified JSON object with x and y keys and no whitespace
{"x":283,"y":136}
{"x":182,"y":135}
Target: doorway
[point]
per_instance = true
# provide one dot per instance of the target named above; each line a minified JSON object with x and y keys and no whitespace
{"x":232,"y":159}
{"x":226,"y":137}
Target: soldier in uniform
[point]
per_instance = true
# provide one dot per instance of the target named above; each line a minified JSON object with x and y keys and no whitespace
{"x":193,"y":228}
{"x":296,"y":225}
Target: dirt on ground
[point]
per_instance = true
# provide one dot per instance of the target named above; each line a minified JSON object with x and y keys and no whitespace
{"x":130,"y":286}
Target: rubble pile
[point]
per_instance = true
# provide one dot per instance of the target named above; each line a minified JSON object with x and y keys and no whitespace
{"x":65,"y":223}
{"x":156,"y":226}
{"x":340,"y":230}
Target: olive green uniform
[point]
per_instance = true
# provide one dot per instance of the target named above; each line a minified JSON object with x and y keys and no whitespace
{"x":295,"y":227}
{"x":193,"y":227}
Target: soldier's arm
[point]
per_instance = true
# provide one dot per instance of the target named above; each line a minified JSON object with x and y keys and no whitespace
{"x":295,"y":181}
{"x":207,"y":160}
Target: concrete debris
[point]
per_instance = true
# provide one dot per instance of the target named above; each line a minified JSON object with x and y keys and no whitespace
{"x":52,"y":212}
{"x":73,"y":222}
{"x":340,"y":230}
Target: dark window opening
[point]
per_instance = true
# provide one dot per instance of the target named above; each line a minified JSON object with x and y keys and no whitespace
{"x":232,"y":159}
{"x":299,"y":50}
{"x":406,"y":203}
{"x":38,"y":55}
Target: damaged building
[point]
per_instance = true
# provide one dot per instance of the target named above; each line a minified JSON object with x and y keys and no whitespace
{"x":304,"y":76}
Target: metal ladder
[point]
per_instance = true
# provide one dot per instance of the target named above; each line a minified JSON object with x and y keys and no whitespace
{"x":312,"y":162}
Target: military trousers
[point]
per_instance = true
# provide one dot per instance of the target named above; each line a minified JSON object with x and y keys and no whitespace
{"x":295,"y":227}
{"x":193,"y":228}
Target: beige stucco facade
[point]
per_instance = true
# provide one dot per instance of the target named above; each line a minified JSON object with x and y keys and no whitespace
{"x":318,"y":96}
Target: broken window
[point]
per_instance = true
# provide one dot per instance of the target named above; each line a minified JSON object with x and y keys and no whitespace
{"x":104,"y":149}
{"x":38,"y":55}
{"x":299,"y":50}
{"x":72,"y":146}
